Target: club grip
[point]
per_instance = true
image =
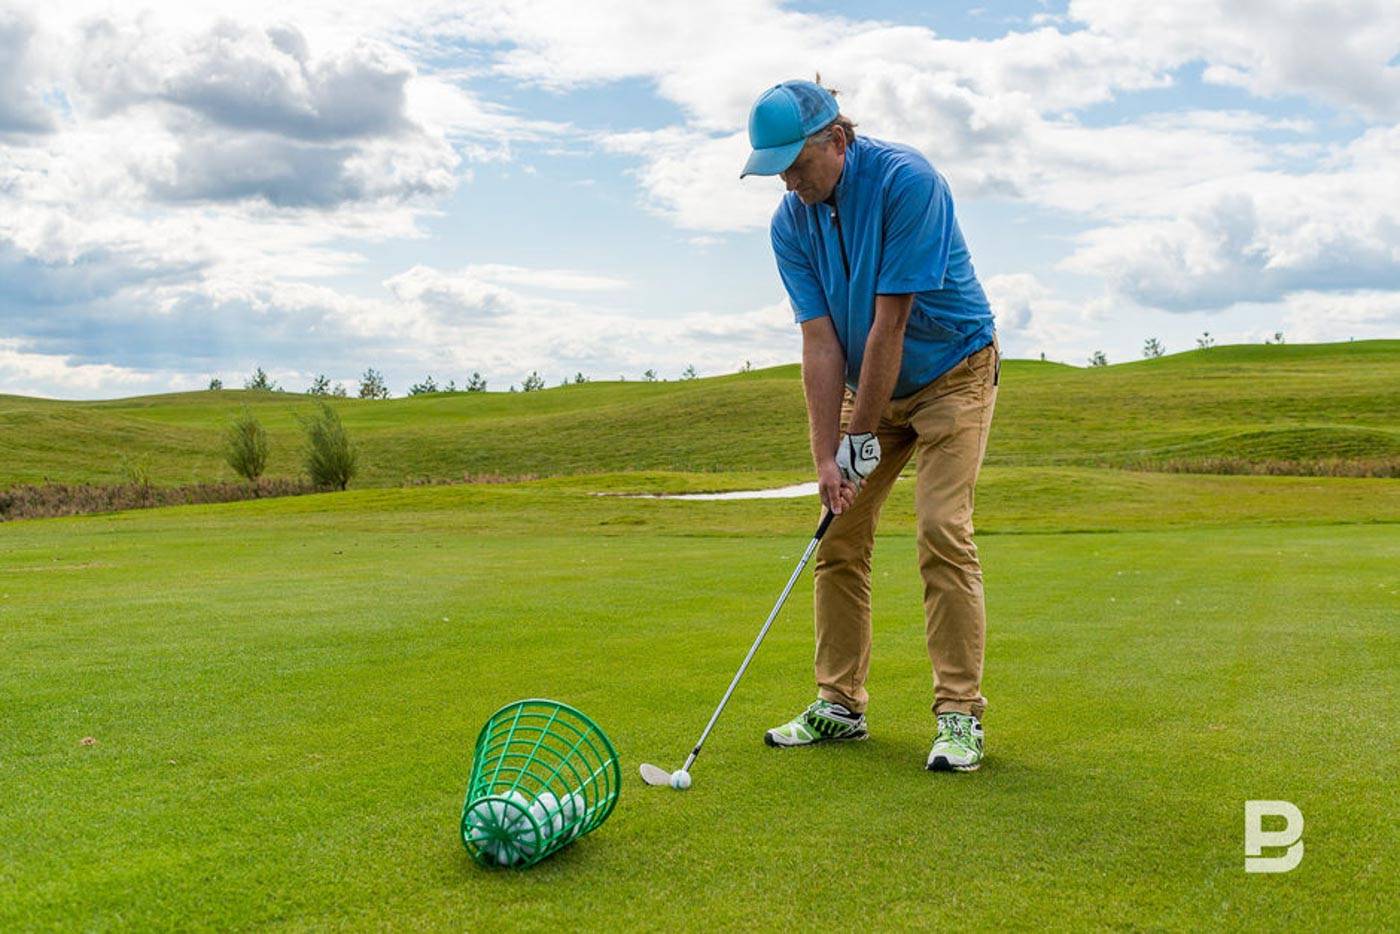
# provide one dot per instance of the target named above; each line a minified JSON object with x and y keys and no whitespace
{"x":826,"y":521}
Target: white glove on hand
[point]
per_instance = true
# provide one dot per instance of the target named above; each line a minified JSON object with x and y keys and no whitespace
{"x":857,"y":456}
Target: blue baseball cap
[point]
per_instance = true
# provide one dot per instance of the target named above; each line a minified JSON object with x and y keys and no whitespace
{"x":780,"y":122}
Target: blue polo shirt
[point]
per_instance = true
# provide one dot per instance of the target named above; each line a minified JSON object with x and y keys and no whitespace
{"x":891,"y":231}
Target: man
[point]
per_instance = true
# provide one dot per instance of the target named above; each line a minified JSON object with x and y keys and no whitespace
{"x":899,"y":359}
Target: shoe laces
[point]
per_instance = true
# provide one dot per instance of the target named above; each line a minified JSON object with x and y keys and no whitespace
{"x":958,"y":727}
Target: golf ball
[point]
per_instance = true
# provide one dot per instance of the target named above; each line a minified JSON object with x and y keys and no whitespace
{"x":680,"y":779}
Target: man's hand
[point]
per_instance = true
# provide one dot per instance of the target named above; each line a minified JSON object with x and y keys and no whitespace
{"x":857,"y":456}
{"x":837,"y":493}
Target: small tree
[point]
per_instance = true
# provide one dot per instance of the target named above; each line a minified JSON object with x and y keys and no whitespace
{"x":1205,"y":341}
{"x":339,"y":391}
{"x":260,"y":381}
{"x":649,"y":376}
{"x":320,"y":386}
{"x":689,"y":373}
{"x":475,"y":383}
{"x":1098,"y":359}
{"x":1153,"y":348}
{"x":748,"y":367}
{"x":329,"y":457}
{"x":533,"y":383}
{"x":372,"y":385}
{"x":216,"y":383}
{"x":247,"y":446}
{"x":580,"y":379}
{"x":428,"y":385}
{"x":1278,"y":337}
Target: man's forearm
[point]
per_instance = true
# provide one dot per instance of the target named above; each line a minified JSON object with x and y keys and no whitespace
{"x":824,"y":383}
{"x":879,"y":369}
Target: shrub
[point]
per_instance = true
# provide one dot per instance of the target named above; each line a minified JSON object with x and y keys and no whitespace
{"x":330,"y":458}
{"x":475,"y":383}
{"x":1153,"y":348}
{"x":690,"y":373}
{"x":260,"y":381}
{"x":428,"y":385}
{"x":247,"y":447}
{"x":320,"y":386}
{"x":1098,"y":359}
{"x":216,"y":383}
{"x":533,"y":383}
{"x":372,"y":385}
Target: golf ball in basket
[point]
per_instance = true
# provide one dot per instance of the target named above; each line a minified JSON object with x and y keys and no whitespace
{"x":680,"y":779}
{"x":501,"y":831}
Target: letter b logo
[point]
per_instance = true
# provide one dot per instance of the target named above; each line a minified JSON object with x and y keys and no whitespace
{"x":1256,"y":837}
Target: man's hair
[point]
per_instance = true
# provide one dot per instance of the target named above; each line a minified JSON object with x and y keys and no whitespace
{"x":842,"y":123}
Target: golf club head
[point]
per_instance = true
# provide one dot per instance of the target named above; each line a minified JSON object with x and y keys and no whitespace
{"x":654,"y":776}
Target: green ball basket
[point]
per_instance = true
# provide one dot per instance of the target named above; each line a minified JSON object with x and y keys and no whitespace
{"x":543,"y":775}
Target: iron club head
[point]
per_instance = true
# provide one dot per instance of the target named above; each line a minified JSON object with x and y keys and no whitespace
{"x":655,"y":776}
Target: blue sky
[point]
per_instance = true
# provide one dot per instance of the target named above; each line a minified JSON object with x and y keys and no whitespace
{"x":442,"y":188}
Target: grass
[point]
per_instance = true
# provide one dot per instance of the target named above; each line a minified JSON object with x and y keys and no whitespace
{"x":284,"y":694}
{"x":1302,"y":404}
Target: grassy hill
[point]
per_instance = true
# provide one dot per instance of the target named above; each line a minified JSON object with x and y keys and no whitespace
{"x":1247,"y":404}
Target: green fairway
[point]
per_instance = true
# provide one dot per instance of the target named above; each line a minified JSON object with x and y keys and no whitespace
{"x":1248,"y":403}
{"x":284,"y":696}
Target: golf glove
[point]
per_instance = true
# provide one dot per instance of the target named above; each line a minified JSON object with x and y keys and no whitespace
{"x":857,"y":456}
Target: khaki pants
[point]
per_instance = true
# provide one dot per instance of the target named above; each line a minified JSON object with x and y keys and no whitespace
{"x":945,"y":424}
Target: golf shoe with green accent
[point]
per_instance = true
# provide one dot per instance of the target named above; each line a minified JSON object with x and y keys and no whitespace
{"x":958,"y":745}
{"x":819,"y":723}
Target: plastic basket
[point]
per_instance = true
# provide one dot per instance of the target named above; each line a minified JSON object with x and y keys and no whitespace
{"x":543,"y":775}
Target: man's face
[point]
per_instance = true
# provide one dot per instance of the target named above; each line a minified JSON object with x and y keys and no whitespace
{"x":815,"y":171}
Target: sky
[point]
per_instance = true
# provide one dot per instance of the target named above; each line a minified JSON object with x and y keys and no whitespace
{"x":191,"y":191}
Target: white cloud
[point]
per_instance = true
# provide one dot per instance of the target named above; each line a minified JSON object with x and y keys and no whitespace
{"x":1335,"y":51}
{"x":21,"y":105}
{"x":33,"y":374}
{"x":1258,"y":236}
{"x":1031,"y":319}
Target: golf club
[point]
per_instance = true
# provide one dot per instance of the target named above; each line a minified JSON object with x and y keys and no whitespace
{"x":680,"y":779}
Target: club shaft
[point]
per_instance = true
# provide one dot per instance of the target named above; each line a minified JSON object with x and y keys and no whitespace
{"x":753,"y":649}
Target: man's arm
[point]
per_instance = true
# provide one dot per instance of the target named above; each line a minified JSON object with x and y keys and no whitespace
{"x":879,"y":370}
{"x":824,"y":383}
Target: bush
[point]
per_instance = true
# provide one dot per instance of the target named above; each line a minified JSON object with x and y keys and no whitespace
{"x":259,"y":381}
{"x":320,"y":386}
{"x":533,"y":383}
{"x":428,"y":385}
{"x":247,"y":447}
{"x":1098,"y":359}
{"x":372,"y":385}
{"x":475,"y":383}
{"x":330,"y":458}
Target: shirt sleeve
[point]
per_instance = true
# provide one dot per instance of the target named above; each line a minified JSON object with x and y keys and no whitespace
{"x":917,"y":232}
{"x":803,"y":286}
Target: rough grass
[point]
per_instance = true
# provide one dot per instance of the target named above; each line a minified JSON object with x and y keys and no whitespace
{"x":47,"y":500}
{"x":1302,"y":404}
{"x":282,"y":697}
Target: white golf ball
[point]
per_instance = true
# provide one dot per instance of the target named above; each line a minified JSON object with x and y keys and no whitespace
{"x":680,"y":779}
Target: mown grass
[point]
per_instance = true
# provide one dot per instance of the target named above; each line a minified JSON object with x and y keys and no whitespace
{"x":284,"y":694}
{"x":1302,"y":404}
